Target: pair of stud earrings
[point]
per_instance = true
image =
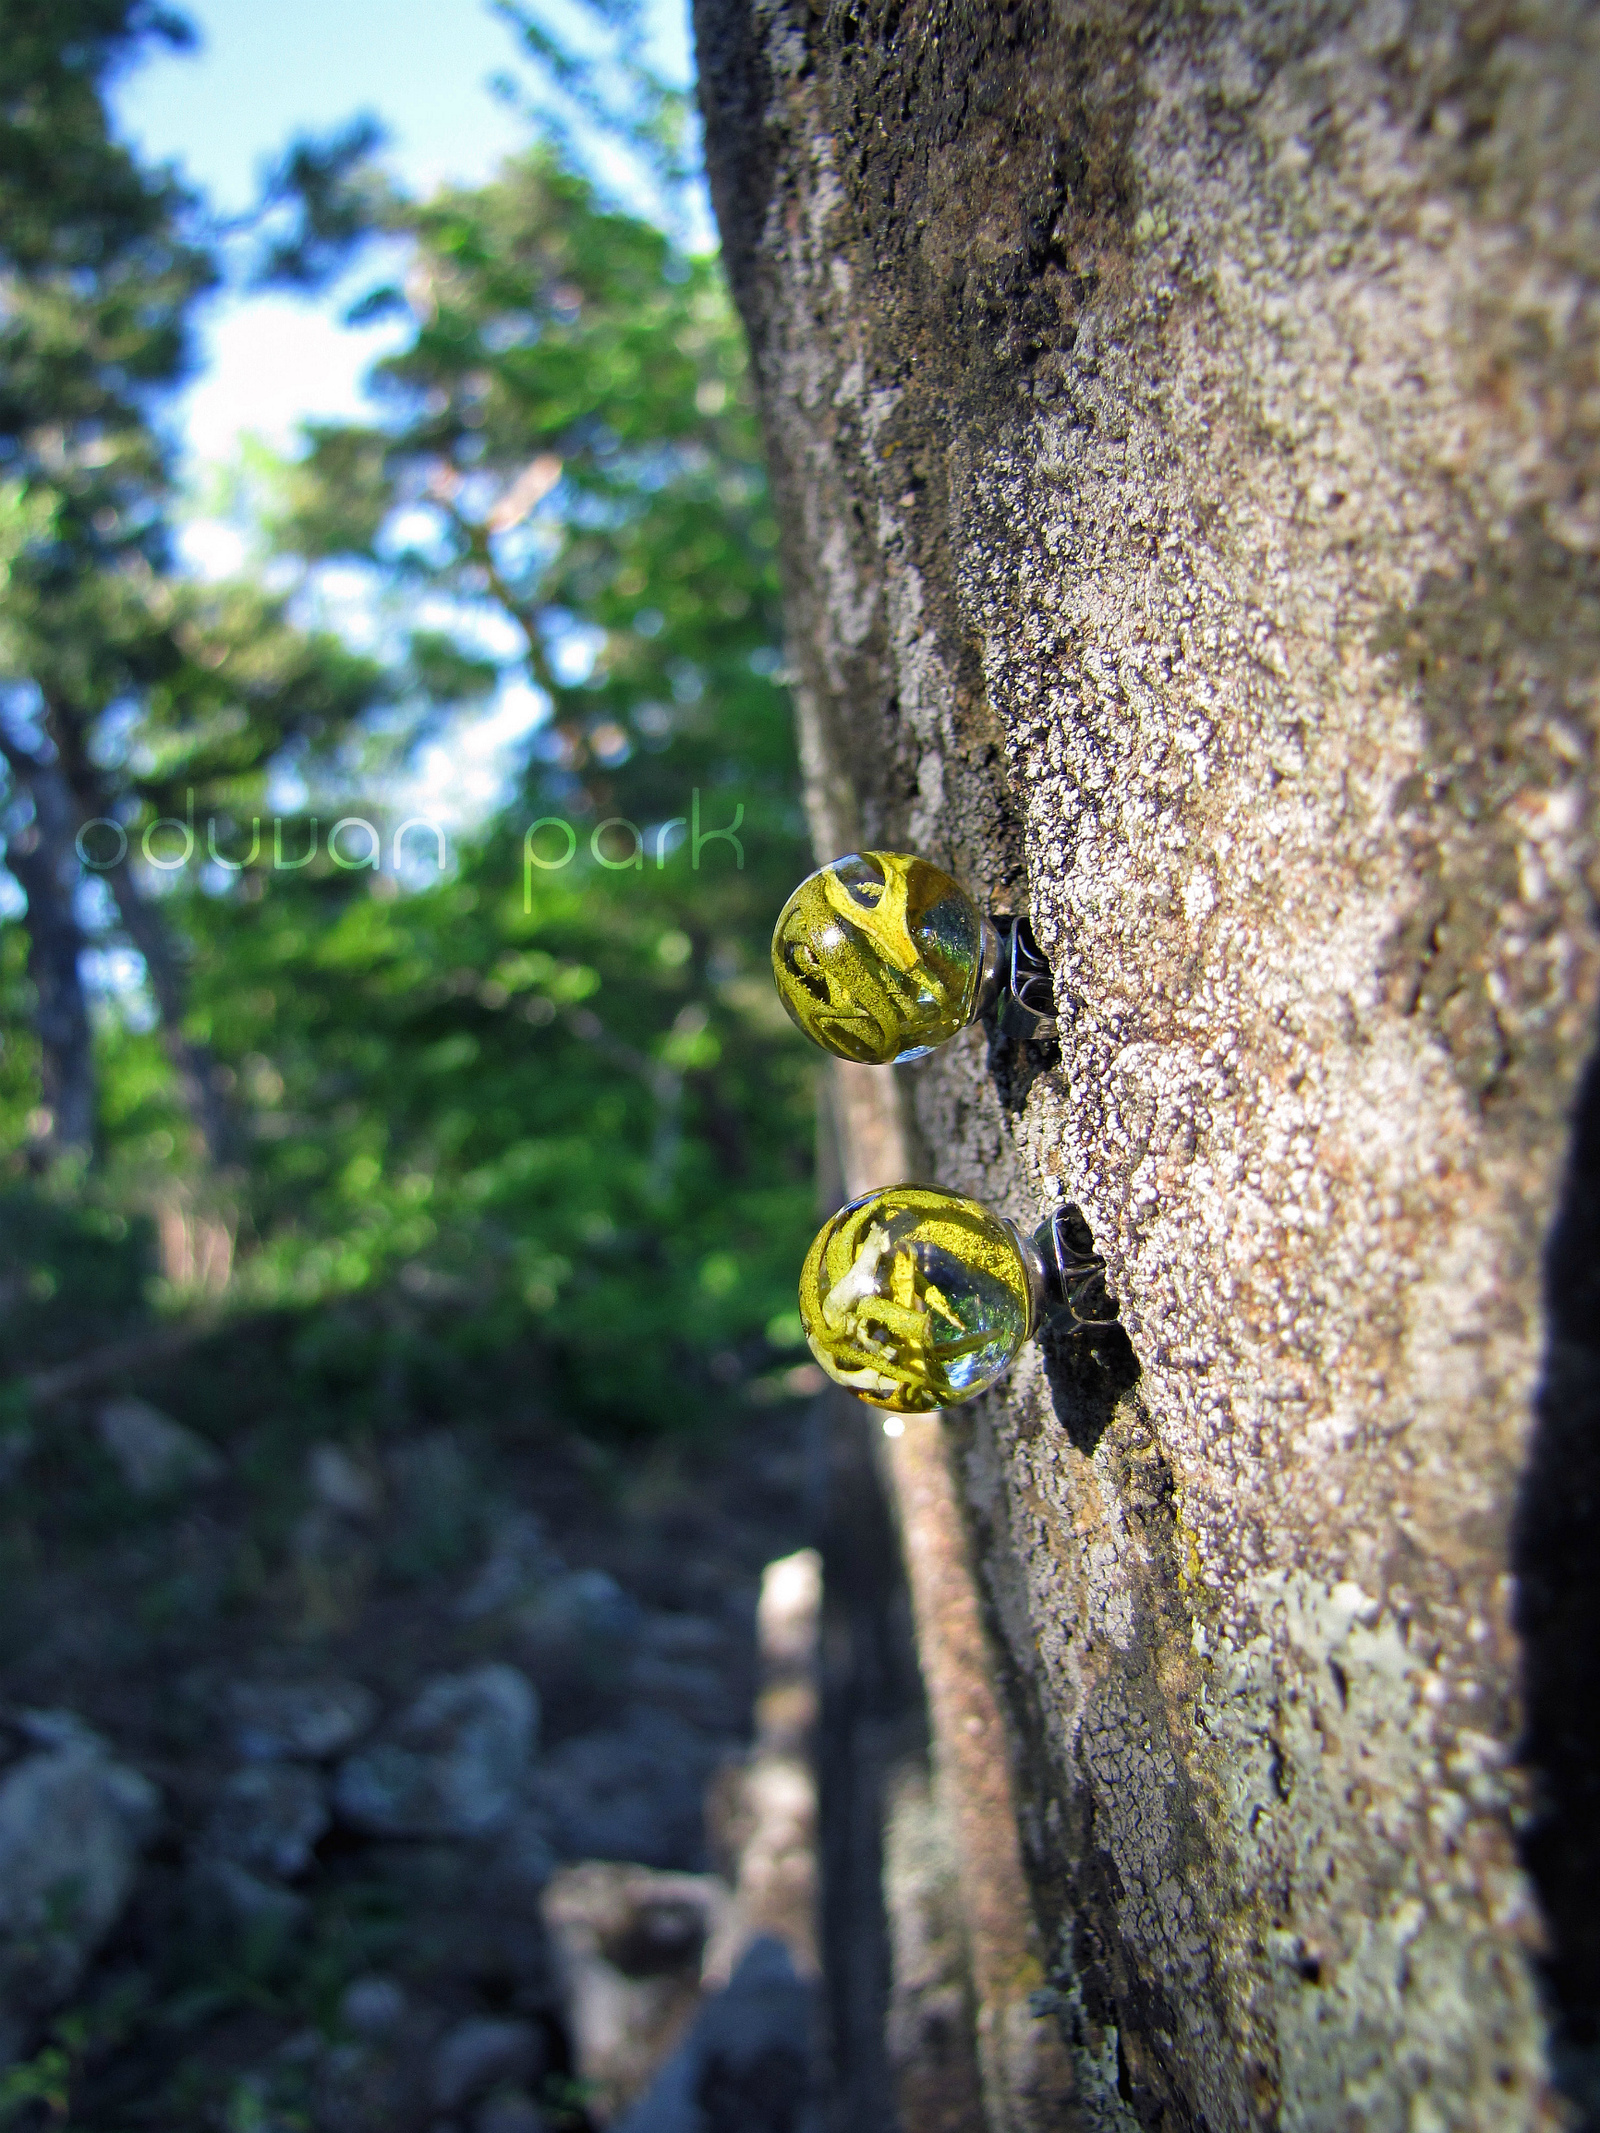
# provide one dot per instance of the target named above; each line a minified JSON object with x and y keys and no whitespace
{"x":914,"y":1297}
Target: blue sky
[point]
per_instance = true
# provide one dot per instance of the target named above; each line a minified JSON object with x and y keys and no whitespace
{"x":222,"y":114}
{"x":265,"y":72}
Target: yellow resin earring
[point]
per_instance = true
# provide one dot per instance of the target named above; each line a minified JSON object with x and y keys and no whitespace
{"x":917,"y":1298}
{"x":880,"y":956}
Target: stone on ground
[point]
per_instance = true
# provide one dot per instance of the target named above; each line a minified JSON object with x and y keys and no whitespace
{"x":342,"y":1484}
{"x":580,"y":1613}
{"x":268,"y":1819}
{"x":511,"y":2113}
{"x":372,"y":2007}
{"x":455,"y":1765}
{"x":631,"y":1791}
{"x":628,"y":1946}
{"x":484,"y":2053}
{"x":520,"y":1561}
{"x":229,"y":1902}
{"x":747,"y":2063}
{"x":309,"y":1721}
{"x":154,"y":1454}
{"x":72,"y":1824}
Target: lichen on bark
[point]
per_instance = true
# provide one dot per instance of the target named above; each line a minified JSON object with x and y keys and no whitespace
{"x":1184,"y":427}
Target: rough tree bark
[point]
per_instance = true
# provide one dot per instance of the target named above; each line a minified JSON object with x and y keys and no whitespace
{"x":1185,"y":425}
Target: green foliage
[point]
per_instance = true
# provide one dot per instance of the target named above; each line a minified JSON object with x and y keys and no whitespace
{"x":19,"y":1046}
{"x":73,"y":1268}
{"x":564,"y":1092}
{"x":526,"y":1122}
{"x":45,"y":2082}
{"x":44,"y":2079}
{"x":99,"y":273}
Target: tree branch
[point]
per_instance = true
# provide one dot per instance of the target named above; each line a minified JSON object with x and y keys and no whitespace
{"x":525,"y":613}
{"x":137,"y":1353}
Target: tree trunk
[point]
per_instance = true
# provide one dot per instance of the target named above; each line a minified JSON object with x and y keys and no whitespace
{"x":200,"y":1084}
{"x":42,"y":858}
{"x":1185,"y":428}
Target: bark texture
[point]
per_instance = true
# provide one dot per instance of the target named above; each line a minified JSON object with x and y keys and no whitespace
{"x":1185,"y":424}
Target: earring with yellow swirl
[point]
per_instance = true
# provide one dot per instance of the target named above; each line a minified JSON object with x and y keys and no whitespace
{"x":917,"y":1298}
{"x":880,"y":956}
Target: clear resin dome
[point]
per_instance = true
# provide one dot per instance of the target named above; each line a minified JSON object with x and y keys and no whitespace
{"x":878,"y":956}
{"x":915,"y":1298}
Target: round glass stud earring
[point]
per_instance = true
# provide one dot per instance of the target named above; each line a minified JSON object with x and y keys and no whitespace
{"x":917,"y":1298}
{"x":880,"y":956}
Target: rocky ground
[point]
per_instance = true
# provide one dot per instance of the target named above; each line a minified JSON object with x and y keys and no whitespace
{"x":362,"y":1784}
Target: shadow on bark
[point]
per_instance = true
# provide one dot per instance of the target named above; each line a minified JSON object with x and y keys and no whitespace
{"x":1015,"y":1064}
{"x":1556,"y":1556}
{"x":1088,"y":1369}
{"x":1089,"y":1365}
{"x":1088,"y":1373}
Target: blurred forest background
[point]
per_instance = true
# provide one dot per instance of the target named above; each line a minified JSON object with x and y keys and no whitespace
{"x":305,"y":1126}
{"x":398,"y":1224}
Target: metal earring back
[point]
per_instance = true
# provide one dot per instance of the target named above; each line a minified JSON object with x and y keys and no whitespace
{"x":1063,"y":1271}
{"x":881,"y":956}
{"x":1017,"y":987}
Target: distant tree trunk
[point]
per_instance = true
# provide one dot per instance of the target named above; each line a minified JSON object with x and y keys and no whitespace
{"x":1185,"y":427}
{"x":200,"y":1083}
{"x":42,"y":858}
